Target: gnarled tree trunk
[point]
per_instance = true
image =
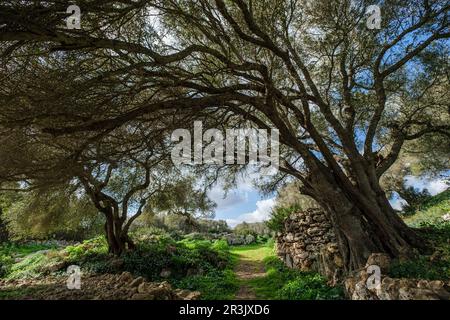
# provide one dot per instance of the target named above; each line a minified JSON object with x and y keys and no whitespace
{"x":117,"y":236}
{"x":4,"y":234}
{"x":364,"y":223}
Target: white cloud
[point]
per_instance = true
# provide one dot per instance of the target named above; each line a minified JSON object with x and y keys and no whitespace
{"x":398,"y":203}
{"x":234,"y":197}
{"x":434,"y":186}
{"x":262,"y":212}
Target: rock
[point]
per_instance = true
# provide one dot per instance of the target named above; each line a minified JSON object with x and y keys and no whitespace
{"x":289,"y":237}
{"x":379,"y":259}
{"x":136,"y":282}
{"x":125,"y":277}
{"x":418,"y":294}
{"x":338,"y":261}
{"x":187,"y":295}
{"x":361,"y":292}
{"x":182,"y":293}
{"x":314,"y":231}
{"x":393,"y":288}
{"x":300,"y":244}
{"x":41,"y":252}
{"x":249,"y":239}
{"x":332,"y":248}
{"x":436,"y":285}
{"x":194,"y":295}
{"x":97,"y":287}
{"x":165,"y":273}
{"x":142,"y":288}
{"x":319,"y":218}
{"x":55,"y":267}
{"x":303,"y":255}
{"x":288,"y":261}
{"x":142,"y":296}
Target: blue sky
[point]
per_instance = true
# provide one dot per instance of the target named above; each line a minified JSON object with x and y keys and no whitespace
{"x":244,"y":203}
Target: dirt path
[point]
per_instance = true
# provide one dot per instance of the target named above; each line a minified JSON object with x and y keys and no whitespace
{"x":249,"y":267}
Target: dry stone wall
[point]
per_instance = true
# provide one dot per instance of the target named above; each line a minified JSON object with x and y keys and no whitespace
{"x":309,"y":243}
{"x":386,"y":288}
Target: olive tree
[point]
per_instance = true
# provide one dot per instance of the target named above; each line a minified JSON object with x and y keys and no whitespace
{"x":345,"y":96}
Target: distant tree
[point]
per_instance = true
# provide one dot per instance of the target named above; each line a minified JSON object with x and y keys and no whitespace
{"x":182,"y":207}
{"x":7,"y":199}
{"x":253,"y":228}
{"x":414,"y":199}
{"x":4,"y":233}
{"x":278,"y":216}
{"x":53,"y":213}
{"x":289,"y":196}
{"x":213,"y":226}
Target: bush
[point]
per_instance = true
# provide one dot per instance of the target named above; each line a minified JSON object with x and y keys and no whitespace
{"x":23,"y":249}
{"x":421,"y":268}
{"x":5,"y":265}
{"x":89,"y":249}
{"x":309,"y":286}
{"x":431,"y":267}
{"x":221,"y":245}
{"x":278,"y":216}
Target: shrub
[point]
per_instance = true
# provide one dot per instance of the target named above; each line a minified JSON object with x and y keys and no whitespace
{"x":423,"y":267}
{"x":89,"y":249}
{"x":278,"y":216}
{"x":221,"y":245}
{"x":5,"y":265}
{"x":431,"y":212}
{"x":309,"y":286}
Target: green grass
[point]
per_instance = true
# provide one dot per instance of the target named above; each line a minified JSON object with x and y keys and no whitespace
{"x":11,"y":251}
{"x":15,"y":249}
{"x":431,"y":211}
{"x":206,"y":266}
{"x":253,"y":252}
{"x":282,"y":283}
{"x":214,"y":284}
{"x":436,"y":232}
{"x":19,"y":293}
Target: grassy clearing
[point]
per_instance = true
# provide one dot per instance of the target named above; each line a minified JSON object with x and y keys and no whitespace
{"x":253,"y":252}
